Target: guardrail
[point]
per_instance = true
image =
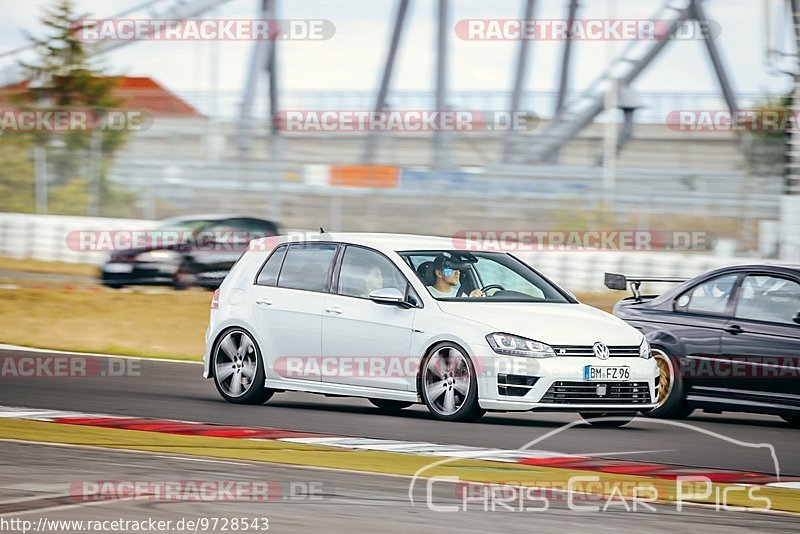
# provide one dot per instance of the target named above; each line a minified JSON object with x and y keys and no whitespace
{"x":44,"y":237}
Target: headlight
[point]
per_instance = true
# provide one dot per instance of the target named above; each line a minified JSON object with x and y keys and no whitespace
{"x":158,"y":256}
{"x":644,"y":350}
{"x":519,"y":346}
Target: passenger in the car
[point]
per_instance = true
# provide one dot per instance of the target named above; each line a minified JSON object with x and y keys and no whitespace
{"x":373,"y":279}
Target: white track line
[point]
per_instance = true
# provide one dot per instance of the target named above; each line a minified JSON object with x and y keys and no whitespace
{"x":19,"y":348}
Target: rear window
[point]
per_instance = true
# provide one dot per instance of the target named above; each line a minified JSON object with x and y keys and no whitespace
{"x":306,"y":266}
{"x":269,"y":272}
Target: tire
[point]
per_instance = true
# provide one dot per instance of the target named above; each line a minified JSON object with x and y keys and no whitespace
{"x":671,"y":390}
{"x":448,"y":384}
{"x":390,"y":406}
{"x":793,"y":420}
{"x":236,"y":359}
{"x":182,"y":279}
{"x":179,"y":283}
{"x":608,"y":419}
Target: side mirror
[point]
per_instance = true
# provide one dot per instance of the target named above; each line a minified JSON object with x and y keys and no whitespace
{"x":796,"y":318}
{"x":389,"y":295}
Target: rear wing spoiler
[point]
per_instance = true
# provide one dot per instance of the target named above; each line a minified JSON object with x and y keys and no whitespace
{"x":620,"y":282}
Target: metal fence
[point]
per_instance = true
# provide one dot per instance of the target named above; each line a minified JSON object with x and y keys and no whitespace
{"x":654,"y":106}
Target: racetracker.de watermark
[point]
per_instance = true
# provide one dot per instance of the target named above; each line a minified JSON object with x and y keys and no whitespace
{"x":583,"y":240}
{"x":219,"y":240}
{"x":584,"y":30}
{"x":195,"y":490}
{"x":66,"y":366}
{"x":409,"y":120}
{"x":73,"y":120}
{"x":723,"y":120}
{"x":250,"y":29}
{"x":395,"y":367}
{"x":740,"y":367}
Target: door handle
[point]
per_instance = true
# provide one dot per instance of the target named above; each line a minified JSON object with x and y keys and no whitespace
{"x":733,"y":329}
{"x":264,"y":302}
{"x":334,"y":309}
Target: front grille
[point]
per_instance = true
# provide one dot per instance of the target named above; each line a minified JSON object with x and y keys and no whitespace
{"x":615,"y":351}
{"x":587,"y":393}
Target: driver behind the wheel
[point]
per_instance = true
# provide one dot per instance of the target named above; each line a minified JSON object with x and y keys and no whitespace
{"x":448,"y":278}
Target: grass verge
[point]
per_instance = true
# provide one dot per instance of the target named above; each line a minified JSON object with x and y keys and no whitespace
{"x":48,"y":267}
{"x":163,"y":325}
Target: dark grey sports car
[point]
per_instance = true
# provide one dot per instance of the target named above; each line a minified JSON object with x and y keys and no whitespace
{"x":185,"y":251}
{"x":728,"y":340}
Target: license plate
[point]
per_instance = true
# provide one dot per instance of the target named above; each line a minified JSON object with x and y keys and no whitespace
{"x":593,"y":372}
{"x":118,"y":268}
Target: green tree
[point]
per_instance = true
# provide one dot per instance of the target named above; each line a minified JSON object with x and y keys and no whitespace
{"x":769,"y":148}
{"x":16,"y":174}
{"x":64,"y":76}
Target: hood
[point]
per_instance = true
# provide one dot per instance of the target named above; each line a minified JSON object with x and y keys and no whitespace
{"x":551,"y":323}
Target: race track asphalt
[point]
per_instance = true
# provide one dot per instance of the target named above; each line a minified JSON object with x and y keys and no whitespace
{"x":170,"y":390}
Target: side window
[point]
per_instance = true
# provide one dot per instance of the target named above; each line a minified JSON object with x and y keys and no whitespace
{"x":229,"y":235}
{"x":306,"y":266}
{"x":421,"y":266}
{"x":269,"y":272}
{"x":768,"y":298}
{"x":363,"y":271}
{"x":711,"y":296}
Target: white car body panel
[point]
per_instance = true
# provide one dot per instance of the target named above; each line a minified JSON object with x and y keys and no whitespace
{"x":363,"y":329}
{"x":295,"y":323}
{"x":550,"y":323}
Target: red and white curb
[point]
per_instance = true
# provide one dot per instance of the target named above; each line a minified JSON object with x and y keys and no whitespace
{"x":539,"y":458}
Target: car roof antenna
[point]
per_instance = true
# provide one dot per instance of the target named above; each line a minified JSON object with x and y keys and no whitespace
{"x":321,"y":230}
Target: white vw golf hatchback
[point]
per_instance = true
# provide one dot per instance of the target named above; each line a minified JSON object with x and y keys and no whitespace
{"x":403,"y":319}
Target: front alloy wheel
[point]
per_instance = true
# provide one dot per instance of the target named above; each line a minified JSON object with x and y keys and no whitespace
{"x":239,"y":369}
{"x":449,"y":387}
{"x":671,"y":402}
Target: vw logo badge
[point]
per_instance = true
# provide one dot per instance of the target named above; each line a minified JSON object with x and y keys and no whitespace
{"x":600,"y":350}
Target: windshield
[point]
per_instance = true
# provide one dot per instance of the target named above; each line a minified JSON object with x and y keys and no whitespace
{"x":480,"y":276}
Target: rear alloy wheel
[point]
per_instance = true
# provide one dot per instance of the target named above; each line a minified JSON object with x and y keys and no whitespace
{"x":239,"y":369}
{"x":671,"y":393}
{"x":608,"y":419}
{"x":449,"y":387}
{"x":390,"y":406}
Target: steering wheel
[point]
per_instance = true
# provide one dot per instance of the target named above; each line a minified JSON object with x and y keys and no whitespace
{"x":492,"y":286}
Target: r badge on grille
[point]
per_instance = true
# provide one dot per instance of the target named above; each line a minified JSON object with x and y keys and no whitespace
{"x":601,"y":390}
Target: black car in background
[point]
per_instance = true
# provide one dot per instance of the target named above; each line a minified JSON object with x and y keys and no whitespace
{"x":184,"y":251}
{"x":728,"y":340}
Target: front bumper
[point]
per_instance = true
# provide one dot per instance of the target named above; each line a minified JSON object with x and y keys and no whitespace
{"x":512,"y":383}
{"x":138,"y":273}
